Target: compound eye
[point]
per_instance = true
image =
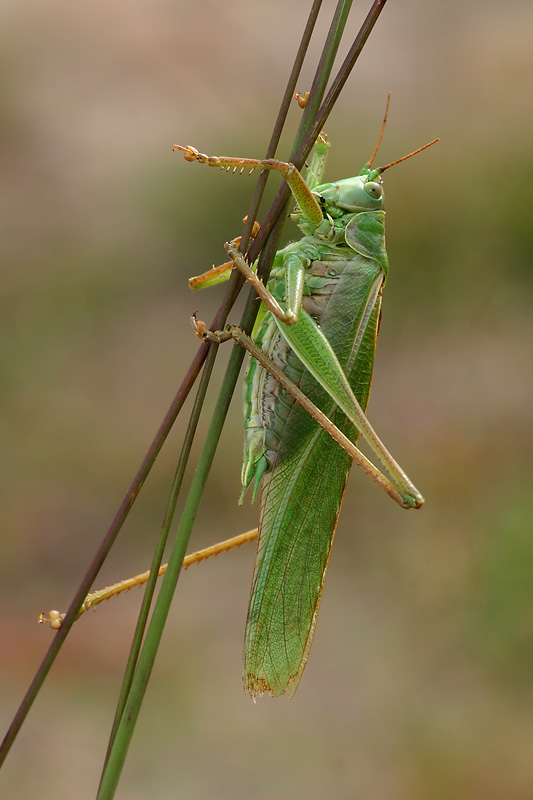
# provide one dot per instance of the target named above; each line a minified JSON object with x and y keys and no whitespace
{"x":374,"y":189}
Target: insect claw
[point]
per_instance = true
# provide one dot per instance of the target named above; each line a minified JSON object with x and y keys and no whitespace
{"x":200,"y":328}
{"x":213,"y":337}
{"x":54,"y":619}
{"x":190,"y":153}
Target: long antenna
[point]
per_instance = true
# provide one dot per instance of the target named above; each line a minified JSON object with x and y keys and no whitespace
{"x":380,"y":137}
{"x":404,"y":158}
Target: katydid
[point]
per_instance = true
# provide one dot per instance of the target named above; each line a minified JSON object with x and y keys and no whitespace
{"x":315,"y":334}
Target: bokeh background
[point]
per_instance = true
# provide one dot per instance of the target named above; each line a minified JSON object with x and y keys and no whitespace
{"x":419,"y":682}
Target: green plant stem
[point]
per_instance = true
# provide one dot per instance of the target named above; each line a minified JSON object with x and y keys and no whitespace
{"x":161,"y":544}
{"x":145,"y":663}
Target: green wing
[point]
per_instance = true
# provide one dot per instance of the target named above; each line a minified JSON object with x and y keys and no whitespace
{"x":302,"y":499}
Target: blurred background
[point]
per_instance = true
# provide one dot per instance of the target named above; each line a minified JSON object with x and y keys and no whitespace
{"x":419,"y":682}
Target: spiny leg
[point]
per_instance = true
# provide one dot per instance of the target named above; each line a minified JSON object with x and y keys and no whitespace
{"x":308,"y":204}
{"x":232,"y":332}
{"x":55,"y":618}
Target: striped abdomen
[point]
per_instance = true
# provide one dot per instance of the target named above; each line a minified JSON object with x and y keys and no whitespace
{"x":266,"y":405}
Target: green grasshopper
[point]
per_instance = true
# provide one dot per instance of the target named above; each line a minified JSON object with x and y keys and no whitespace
{"x":314,"y":340}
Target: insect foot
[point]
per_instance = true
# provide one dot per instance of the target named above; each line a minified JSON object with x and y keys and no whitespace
{"x":203,"y":332}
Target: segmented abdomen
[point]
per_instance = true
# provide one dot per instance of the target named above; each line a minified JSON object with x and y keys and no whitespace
{"x":266,"y":404}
